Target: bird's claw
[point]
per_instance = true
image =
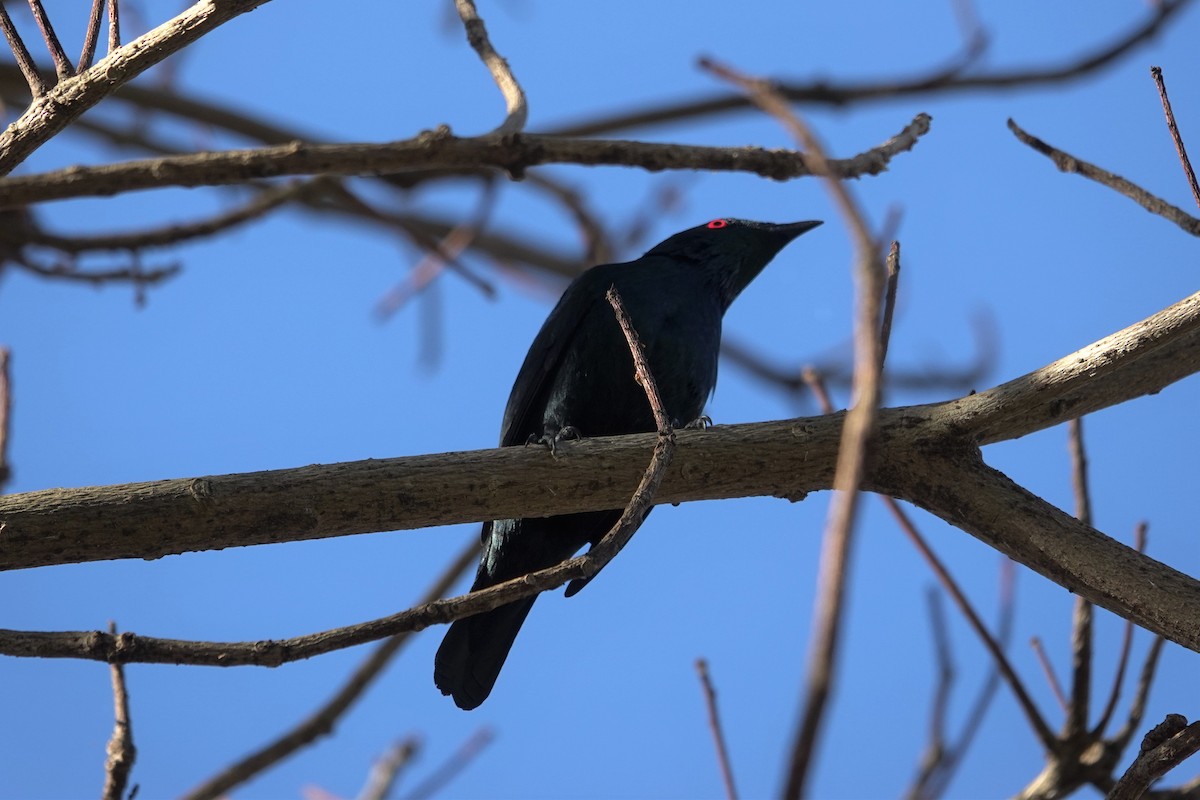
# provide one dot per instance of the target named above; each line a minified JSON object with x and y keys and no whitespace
{"x":551,"y":442}
{"x":703,"y":422}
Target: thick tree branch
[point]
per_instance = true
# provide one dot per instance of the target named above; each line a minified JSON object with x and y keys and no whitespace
{"x":438,"y":149}
{"x":782,"y":459}
{"x":923,"y":454}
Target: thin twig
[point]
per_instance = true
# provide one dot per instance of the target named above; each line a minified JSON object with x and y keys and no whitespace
{"x":889,"y":299}
{"x":941,"y":80}
{"x":453,"y":766}
{"x":1141,"y":694}
{"x":387,"y":767}
{"x":640,"y":364}
{"x":714,"y":727}
{"x":1081,"y":618}
{"x":446,"y":253}
{"x":1043,"y":660}
{"x":1069,"y":163}
{"x":92,"y":36}
{"x":62,"y":64}
{"x":37,"y":86}
{"x":121,"y":750}
{"x":1189,"y":173}
{"x":5,"y":413}
{"x":1139,"y":538}
{"x":114,"y":25}
{"x":166,"y":235}
{"x":514,"y":96}
{"x":995,"y":650}
{"x":321,"y":721}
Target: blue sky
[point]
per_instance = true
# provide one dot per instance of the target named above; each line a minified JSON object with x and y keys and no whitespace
{"x":265,"y":354}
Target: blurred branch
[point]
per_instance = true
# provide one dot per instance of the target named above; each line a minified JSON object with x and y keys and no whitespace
{"x":714,"y":727}
{"x":458,"y":761}
{"x":1173,"y":129}
{"x":438,"y":149}
{"x":5,"y":415}
{"x":1069,"y":163}
{"x":514,"y":96}
{"x":53,"y":110}
{"x":25,"y":231}
{"x":1039,"y":651}
{"x":858,"y":428}
{"x":322,"y":721}
{"x":942,"y":759}
{"x":942,"y":80}
{"x":1114,"y":696}
{"x":386,"y":769}
{"x":121,"y":750}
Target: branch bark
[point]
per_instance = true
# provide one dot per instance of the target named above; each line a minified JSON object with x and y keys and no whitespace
{"x":438,"y":149}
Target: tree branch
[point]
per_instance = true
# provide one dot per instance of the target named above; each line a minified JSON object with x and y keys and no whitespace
{"x":438,"y":149}
{"x":53,"y":110}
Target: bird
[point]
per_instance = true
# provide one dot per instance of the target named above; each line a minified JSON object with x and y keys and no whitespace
{"x":578,"y":380}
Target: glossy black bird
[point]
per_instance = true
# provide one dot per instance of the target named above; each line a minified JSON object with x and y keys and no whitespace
{"x":578,"y":380}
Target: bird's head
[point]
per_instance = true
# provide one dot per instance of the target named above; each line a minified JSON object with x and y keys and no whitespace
{"x":731,"y":251}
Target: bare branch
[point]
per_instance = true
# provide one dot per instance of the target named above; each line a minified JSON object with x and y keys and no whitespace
{"x":5,"y":415}
{"x":62,"y":64}
{"x":1043,"y":660}
{"x":53,"y":110}
{"x":37,"y":86}
{"x":121,"y":750}
{"x":1114,"y":695}
{"x":454,"y":765}
{"x":114,"y":23}
{"x":1081,"y":623}
{"x":164,"y":236}
{"x":91,"y":36}
{"x":386,"y":769}
{"x":431,"y":150}
{"x":940,"y":81}
{"x":1156,"y":73}
{"x":1164,"y":748}
{"x":1069,"y":163}
{"x":514,"y":95}
{"x":714,"y":727}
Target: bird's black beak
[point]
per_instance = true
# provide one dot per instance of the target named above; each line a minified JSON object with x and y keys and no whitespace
{"x":794,"y":229}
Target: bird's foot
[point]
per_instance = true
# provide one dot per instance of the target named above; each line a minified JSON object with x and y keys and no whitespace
{"x":703,"y":422}
{"x":551,"y":442}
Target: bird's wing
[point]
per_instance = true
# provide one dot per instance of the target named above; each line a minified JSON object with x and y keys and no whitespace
{"x":526,"y":403}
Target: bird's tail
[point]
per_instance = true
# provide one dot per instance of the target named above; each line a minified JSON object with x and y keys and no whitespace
{"x":474,"y":650}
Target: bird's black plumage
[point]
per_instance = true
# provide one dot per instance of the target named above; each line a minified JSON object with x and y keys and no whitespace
{"x":578,"y":377}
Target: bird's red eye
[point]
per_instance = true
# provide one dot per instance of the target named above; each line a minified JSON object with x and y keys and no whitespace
{"x":717,"y":223}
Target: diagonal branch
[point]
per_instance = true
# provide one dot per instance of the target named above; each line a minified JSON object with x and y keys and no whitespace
{"x":1069,"y":163}
{"x":53,"y":110}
